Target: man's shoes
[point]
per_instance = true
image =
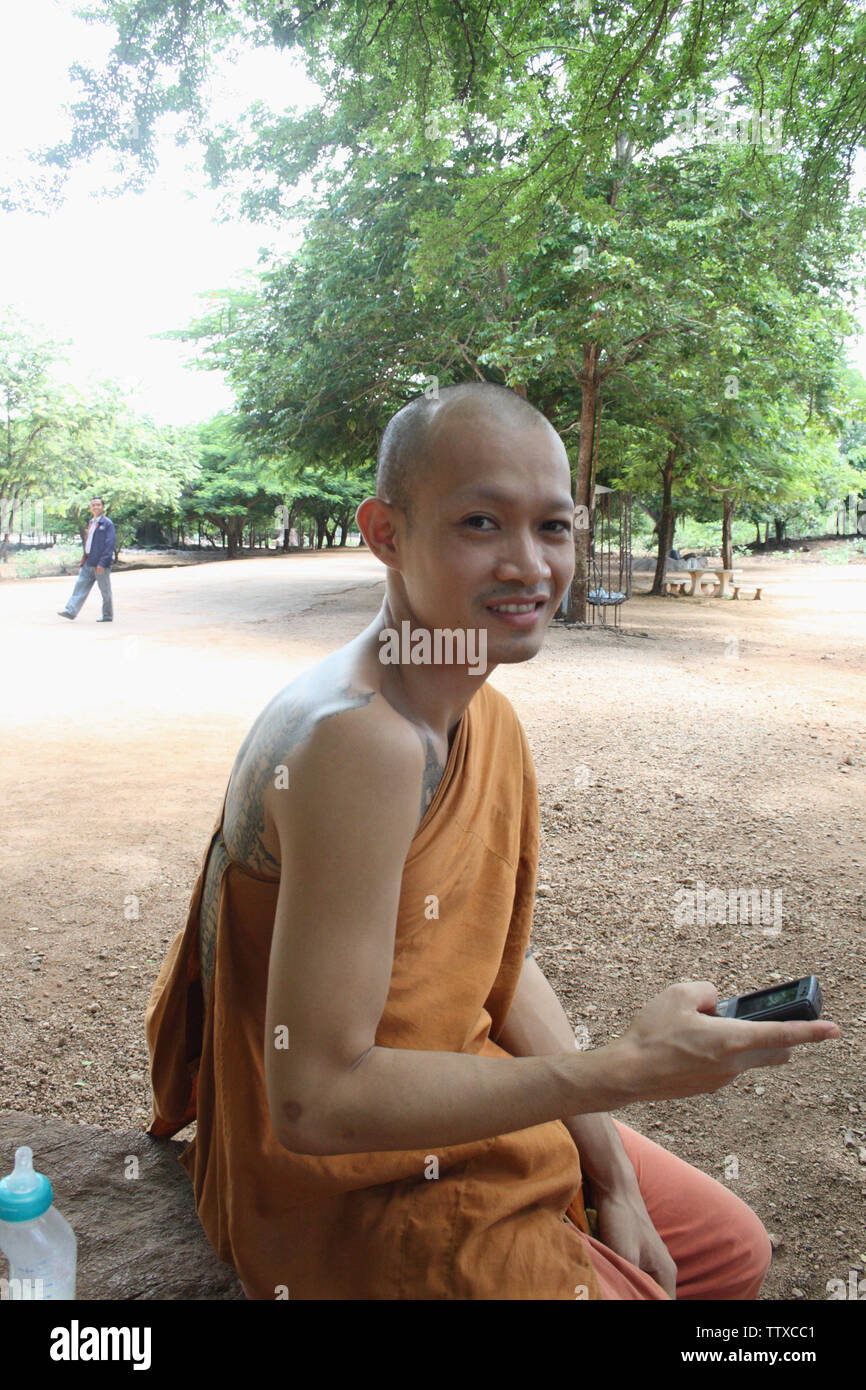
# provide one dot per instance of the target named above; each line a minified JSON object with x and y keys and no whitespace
{"x":105,"y":620}
{"x":62,"y":613}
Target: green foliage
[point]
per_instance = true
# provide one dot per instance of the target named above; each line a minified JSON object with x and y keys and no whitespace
{"x":61,"y":447}
{"x":843,"y":554}
{"x":507,"y":193}
{"x":31,"y":564}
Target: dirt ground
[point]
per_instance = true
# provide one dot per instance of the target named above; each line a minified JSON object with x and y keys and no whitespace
{"x":711,"y":744}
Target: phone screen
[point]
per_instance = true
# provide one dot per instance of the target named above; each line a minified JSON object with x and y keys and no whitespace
{"x":768,"y":1001}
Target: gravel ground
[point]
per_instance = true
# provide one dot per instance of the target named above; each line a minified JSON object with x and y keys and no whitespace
{"x":708,"y":745}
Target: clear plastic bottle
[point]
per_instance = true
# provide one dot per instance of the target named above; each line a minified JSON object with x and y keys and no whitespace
{"x":38,"y":1242}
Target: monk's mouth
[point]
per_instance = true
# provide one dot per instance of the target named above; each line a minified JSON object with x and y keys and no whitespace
{"x":525,"y":617}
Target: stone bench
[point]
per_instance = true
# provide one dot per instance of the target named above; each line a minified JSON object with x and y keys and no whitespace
{"x":138,"y":1237}
{"x":739,"y":587}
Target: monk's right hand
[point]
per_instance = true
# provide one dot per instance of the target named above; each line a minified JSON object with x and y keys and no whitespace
{"x":676,"y":1046}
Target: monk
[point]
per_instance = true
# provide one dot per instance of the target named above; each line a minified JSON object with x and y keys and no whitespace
{"x":388,"y":1096}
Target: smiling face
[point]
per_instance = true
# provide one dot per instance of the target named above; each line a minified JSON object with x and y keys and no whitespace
{"x":493,"y":517}
{"x":97,"y":507}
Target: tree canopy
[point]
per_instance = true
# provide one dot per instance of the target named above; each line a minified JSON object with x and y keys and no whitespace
{"x":639,"y":216}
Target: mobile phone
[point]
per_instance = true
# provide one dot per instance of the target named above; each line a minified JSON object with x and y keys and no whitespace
{"x":797,"y":999}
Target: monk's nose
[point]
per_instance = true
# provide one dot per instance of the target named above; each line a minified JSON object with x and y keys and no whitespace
{"x":522,"y":558}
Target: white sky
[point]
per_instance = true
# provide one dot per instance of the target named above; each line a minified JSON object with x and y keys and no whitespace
{"x":108,"y":273}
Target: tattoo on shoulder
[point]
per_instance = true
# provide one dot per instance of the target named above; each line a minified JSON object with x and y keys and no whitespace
{"x":434,"y":769}
{"x":209,"y":910}
{"x":282,"y":727}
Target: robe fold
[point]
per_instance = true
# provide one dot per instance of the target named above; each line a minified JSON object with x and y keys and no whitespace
{"x":497,"y":1221}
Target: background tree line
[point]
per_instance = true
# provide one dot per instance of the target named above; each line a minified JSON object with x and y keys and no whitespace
{"x":162,"y":485}
{"x":530,"y":193}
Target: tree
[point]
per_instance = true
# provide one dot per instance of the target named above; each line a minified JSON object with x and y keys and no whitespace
{"x":31,"y":404}
{"x":235,"y":486}
{"x":518,"y":139}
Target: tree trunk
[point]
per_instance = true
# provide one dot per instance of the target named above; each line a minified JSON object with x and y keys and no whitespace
{"x":779,"y":526}
{"x":589,"y":387}
{"x":727,"y":522}
{"x":757,"y":533}
{"x":235,"y":536}
{"x":666,"y":520}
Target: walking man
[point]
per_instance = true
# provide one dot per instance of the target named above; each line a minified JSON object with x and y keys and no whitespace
{"x":95,"y":565}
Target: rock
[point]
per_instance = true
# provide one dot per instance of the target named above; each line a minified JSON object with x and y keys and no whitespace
{"x":138,"y":1238}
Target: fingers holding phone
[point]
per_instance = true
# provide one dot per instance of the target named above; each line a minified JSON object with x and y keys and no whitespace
{"x":686,"y":1042}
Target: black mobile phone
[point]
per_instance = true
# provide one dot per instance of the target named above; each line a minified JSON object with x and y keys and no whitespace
{"x":797,"y":999}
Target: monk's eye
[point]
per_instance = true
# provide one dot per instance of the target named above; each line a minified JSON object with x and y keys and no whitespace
{"x":470,"y":520}
{"x":566,"y":526}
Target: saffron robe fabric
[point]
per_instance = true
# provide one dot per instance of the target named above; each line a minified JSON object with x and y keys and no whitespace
{"x":498,"y":1222}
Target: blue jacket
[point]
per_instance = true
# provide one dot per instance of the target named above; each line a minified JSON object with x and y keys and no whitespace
{"x":102,"y":545}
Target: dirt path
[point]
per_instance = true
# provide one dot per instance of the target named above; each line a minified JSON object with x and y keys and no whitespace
{"x":711,"y":745}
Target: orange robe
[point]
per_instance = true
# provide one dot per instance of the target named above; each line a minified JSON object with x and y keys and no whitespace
{"x":496,"y":1222}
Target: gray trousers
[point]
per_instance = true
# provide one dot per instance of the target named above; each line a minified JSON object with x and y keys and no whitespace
{"x":87,"y":577}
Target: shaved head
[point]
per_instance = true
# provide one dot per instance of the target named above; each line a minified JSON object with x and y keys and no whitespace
{"x":404,"y":452}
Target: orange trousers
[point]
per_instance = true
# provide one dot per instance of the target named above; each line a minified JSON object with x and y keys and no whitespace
{"x":719,"y":1246}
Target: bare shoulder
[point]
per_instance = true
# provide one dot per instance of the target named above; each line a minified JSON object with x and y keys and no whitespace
{"x":316,"y":733}
{"x":354,"y":759}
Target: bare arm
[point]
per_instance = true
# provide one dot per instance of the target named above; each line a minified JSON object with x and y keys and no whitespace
{"x":345,"y":826}
{"x":536,"y":1025}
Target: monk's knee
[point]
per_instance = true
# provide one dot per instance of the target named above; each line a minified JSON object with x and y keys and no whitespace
{"x":762,"y":1257}
{"x":750,"y":1255}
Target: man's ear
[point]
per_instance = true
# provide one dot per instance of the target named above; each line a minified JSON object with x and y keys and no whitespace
{"x":380,"y":524}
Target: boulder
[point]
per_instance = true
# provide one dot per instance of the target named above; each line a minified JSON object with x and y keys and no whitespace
{"x":131,"y":1205}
